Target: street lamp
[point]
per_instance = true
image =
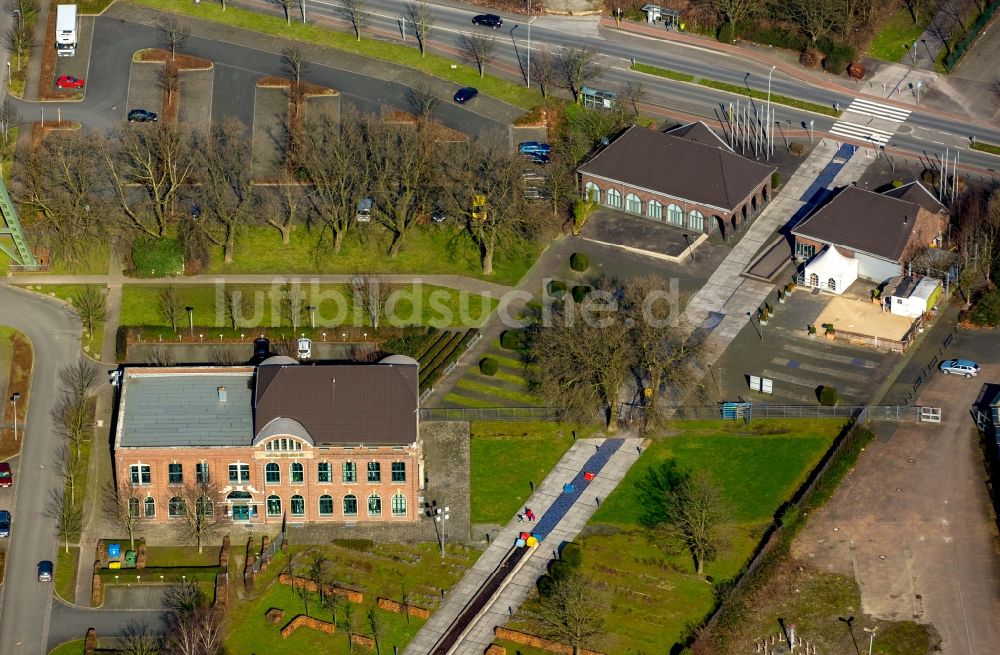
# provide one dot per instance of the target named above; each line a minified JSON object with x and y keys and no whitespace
{"x":760,"y":328}
{"x":530,"y":21}
{"x":770,"y":138}
{"x":312,"y":315}
{"x":13,"y":401}
{"x":190,"y":311}
{"x":440,"y":516}
{"x":687,"y":240}
{"x":871,"y":638}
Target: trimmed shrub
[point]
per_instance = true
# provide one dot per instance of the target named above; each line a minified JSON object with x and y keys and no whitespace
{"x":511,"y":340}
{"x":579,"y":262}
{"x":775,"y":180}
{"x":488,"y":366}
{"x":560,"y":570}
{"x":580,"y":292}
{"x":556,"y":288}
{"x":797,"y":148}
{"x":837,"y":59}
{"x":572,"y":554}
{"x":828,"y":396}
{"x":810,"y":57}
{"x":157,"y":257}
{"x":726,"y":33}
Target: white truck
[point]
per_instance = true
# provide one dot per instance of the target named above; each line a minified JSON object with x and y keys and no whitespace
{"x":66,"y":30}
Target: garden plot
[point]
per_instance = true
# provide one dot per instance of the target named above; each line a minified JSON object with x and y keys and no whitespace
{"x":508,"y":387}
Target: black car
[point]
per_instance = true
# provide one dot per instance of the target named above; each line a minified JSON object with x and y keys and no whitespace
{"x":141,"y":116}
{"x":466,"y":94}
{"x":261,"y":348}
{"x":488,"y":20}
{"x":4,"y":523}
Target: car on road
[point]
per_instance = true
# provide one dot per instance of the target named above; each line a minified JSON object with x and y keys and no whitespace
{"x":305,"y":348}
{"x":965,"y":367}
{"x":45,"y":571}
{"x":488,"y":20}
{"x":6,"y":476}
{"x":69,"y":82}
{"x":4,"y":523}
{"x":533,"y":148}
{"x":142,"y":116}
{"x":466,"y":94}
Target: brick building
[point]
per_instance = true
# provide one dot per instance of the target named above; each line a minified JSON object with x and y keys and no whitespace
{"x":310,"y":443}
{"x":686,"y":177}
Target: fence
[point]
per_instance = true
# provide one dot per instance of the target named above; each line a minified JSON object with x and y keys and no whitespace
{"x":265,"y":556}
{"x":970,"y":36}
{"x":490,"y":414}
{"x":872,"y":412}
{"x":931,"y":365}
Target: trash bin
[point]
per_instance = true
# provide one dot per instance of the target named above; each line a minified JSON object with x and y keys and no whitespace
{"x":130,"y":557}
{"x":114,"y":565}
{"x":114,"y":551}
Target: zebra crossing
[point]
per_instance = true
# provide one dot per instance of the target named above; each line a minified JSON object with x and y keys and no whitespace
{"x":851,"y":127}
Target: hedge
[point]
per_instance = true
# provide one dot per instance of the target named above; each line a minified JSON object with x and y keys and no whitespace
{"x":169,"y":573}
{"x":580,"y":292}
{"x":436,"y":370}
{"x":579,"y":262}
{"x":775,"y":179}
{"x":556,"y":287}
{"x":488,"y":366}
{"x":440,"y":354}
{"x":511,"y":340}
{"x":828,"y":396}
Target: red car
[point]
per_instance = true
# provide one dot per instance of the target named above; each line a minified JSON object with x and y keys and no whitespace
{"x":69,"y":82}
{"x":6,"y":479}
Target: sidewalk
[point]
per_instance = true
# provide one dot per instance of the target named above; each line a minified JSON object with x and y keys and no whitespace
{"x":523,"y":581}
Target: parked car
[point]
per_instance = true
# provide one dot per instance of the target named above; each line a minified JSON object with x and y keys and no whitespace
{"x":438,"y":216}
{"x":261,"y":348}
{"x":304,"y":347}
{"x":6,"y":477}
{"x":488,"y":20}
{"x":540,"y":158}
{"x":364,"y":213}
{"x":533,"y":148}
{"x":45,"y":571}
{"x":142,"y":116}
{"x":69,"y":82}
{"x":466,"y":94}
{"x":4,"y":523}
{"x":965,"y":367}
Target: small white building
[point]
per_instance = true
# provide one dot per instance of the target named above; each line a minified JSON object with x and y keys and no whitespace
{"x":911,"y":297}
{"x":831,"y":271}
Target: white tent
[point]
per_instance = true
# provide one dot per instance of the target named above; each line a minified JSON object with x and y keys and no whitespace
{"x":831,"y":271}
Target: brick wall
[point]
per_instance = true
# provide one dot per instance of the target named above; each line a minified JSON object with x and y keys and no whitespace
{"x":303,"y":621}
{"x":539,"y":642}
{"x":332,"y":590}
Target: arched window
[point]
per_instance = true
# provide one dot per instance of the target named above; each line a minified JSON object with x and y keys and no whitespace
{"x":675,"y":214}
{"x":176,"y":507}
{"x":696,"y":220}
{"x":374,"y":505}
{"x":633,"y":204}
{"x":133,"y":507}
{"x":831,"y":284}
{"x":272,"y":473}
{"x":298,"y":505}
{"x":592,"y":191}
{"x":297,"y":473}
{"x":273,"y":506}
{"x":149,"y":505}
{"x":283,"y":444}
{"x":350,"y":505}
{"x":399,"y":504}
{"x":325,"y":505}
{"x":814,"y":280}
{"x":654,"y":210}
{"x":614,"y":198}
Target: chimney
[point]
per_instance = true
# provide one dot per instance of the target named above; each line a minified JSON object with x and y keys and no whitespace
{"x":222,"y":394}
{"x":906,"y":219}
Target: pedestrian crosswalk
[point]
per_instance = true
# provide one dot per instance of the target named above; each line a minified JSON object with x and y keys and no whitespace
{"x":852,"y":124}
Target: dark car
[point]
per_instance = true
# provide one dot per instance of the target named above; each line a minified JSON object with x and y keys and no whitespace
{"x":466,"y":94}
{"x":261,"y":348}
{"x":439,"y":216}
{"x":4,"y":523}
{"x":142,"y":116}
{"x":540,"y":158}
{"x":45,"y":571}
{"x":533,"y":148}
{"x":488,"y":20}
{"x":6,"y":477}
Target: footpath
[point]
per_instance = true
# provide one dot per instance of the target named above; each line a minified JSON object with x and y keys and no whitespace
{"x":557,"y":523}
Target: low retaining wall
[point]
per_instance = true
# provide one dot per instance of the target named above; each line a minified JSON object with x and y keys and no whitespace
{"x":299,"y":583}
{"x":303,"y":621}
{"x":539,"y":642}
{"x":390,"y":605}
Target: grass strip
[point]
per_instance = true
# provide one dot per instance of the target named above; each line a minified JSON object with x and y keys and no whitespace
{"x":662,"y":72}
{"x":762,"y":95}
{"x":506,"y":394}
{"x":404,"y":55}
{"x":465,"y":401}
{"x":986,"y":147}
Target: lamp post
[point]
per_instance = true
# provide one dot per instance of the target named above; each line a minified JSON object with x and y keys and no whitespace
{"x":871,"y":638}
{"x":528,"y":67}
{"x":190,"y":311}
{"x":312,"y":315}
{"x":770,"y":122}
{"x":759,"y":327}
{"x":687,"y":240}
{"x":13,"y":401}
{"x":440,"y":516}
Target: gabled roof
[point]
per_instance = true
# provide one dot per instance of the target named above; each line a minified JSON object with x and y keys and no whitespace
{"x":699,"y":132}
{"x":344,"y":404}
{"x":683,"y":167}
{"x":874,"y":223}
{"x":918,"y":194}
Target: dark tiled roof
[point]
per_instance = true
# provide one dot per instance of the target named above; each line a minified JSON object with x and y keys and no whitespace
{"x":862,"y":220}
{"x":680,"y":167}
{"x":348,"y":404}
{"x":918,"y":194}
{"x":699,"y":132}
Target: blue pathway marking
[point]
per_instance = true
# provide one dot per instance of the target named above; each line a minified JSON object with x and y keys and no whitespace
{"x":557,"y":511}
{"x":819,"y":190}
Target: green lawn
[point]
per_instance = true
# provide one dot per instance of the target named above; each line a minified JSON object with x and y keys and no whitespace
{"x":481,"y":384}
{"x":405,"y":55}
{"x":424,"y":304}
{"x":652,"y":595}
{"x":986,"y":147}
{"x":507,"y":457}
{"x":74,"y":647}
{"x":776,"y":98}
{"x":428,"y":250}
{"x":387,"y":570}
{"x":898,"y":34}
{"x":65,"y":572}
{"x":181,"y":556}
{"x":91,"y":343}
{"x":662,"y":72}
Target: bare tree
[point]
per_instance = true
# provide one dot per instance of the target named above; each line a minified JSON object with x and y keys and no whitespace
{"x":957,"y":11}
{"x":422,"y":100}
{"x":238,"y":305}
{"x":160,"y":356}
{"x":370,"y":293}
{"x":122,"y":504}
{"x":544,"y":70}
{"x":70,"y":468}
{"x":286,"y":6}
{"x":295,"y":67}
{"x":560,"y":182}
{"x":79,"y":378}
{"x":9,"y":117}
{"x":168,"y":80}
{"x":913,"y":6}
{"x":293,"y":304}
{"x":17,"y":40}
{"x":994,"y":86}
{"x":736,"y":11}
{"x":421,"y":20}
{"x":284,"y":204}
{"x":89,"y":305}
{"x":27,"y":8}
{"x":576,"y":66}
{"x":200,"y":516}
{"x":137,"y":639}
{"x":632,"y":93}
{"x":194,"y":627}
{"x":573,"y":613}
{"x":377,"y":628}
{"x":171,"y":305}
{"x":478,"y":50}
{"x":173,"y":35}
{"x":68,"y":516}
{"x":356,"y":13}
{"x":940,"y":30}
{"x":816,"y":18}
